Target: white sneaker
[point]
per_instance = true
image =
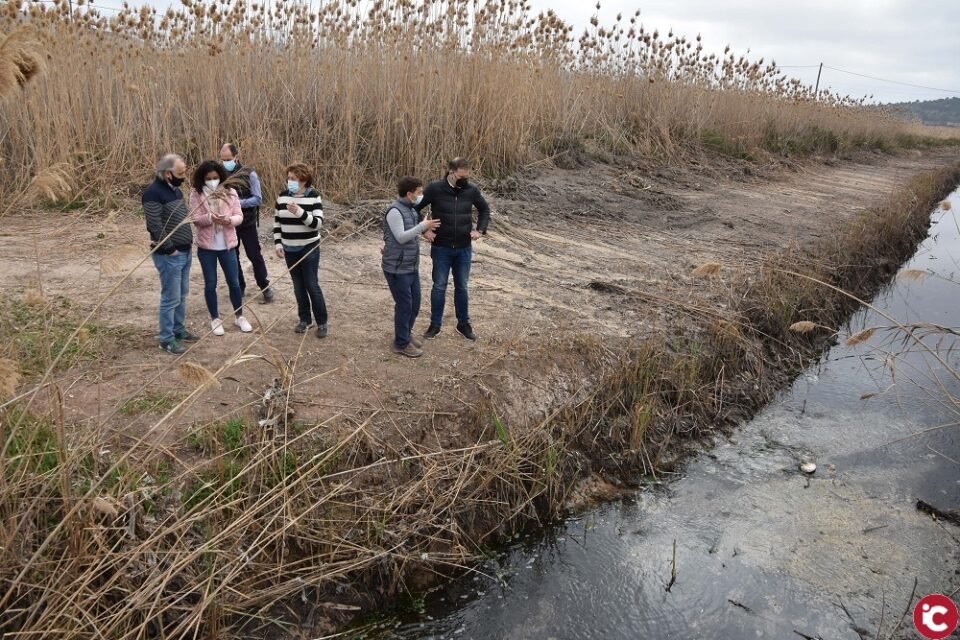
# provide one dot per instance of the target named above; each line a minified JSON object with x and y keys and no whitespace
{"x":243,"y":324}
{"x":217,"y":325}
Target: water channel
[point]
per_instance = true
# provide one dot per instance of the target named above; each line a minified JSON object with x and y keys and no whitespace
{"x":762,"y":550}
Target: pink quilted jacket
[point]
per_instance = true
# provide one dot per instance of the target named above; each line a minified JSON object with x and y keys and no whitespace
{"x":202,"y":215}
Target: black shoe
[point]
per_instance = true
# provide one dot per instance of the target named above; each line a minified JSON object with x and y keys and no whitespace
{"x":267,"y":296}
{"x":466,"y":331}
{"x":186,"y":336}
{"x":302,"y":327}
{"x":322,"y":331}
{"x":432,"y":331}
{"x":173,"y":347}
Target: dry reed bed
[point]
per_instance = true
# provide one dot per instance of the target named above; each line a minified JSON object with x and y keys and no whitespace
{"x":395,"y":92}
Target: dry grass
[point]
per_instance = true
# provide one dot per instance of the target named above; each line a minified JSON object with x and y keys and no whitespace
{"x":502,"y":85}
{"x":197,"y":376}
{"x":21,"y":60}
{"x":804,"y":326}
{"x":861,"y":336}
{"x":708,"y":269}
{"x":9,"y":378}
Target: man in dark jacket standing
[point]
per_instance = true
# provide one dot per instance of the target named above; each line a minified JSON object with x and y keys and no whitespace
{"x":452,"y":200}
{"x":248,"y":233}
{"x":171,"y":244}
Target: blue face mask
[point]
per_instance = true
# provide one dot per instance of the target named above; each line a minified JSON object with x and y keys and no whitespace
{"x":418,"y":199}
{"x":293,"y":186}
{"x":230,"y":165}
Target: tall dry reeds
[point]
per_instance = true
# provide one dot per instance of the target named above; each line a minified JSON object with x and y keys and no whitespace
{"x":21,"y":59}
{"x":366,"y":97}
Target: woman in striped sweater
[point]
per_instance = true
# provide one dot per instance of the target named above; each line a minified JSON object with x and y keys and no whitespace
{"x":296,"y":233}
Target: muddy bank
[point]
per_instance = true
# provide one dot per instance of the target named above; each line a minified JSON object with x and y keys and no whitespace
{"x":623,"y":312}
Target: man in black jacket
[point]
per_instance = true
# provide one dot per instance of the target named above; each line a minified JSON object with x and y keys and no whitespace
{"x":451,"y":200}
{"x":248,"y":233}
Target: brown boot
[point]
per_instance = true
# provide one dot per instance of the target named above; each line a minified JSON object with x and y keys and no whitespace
{"x":410,"y":351}
{"x":416,"y":343}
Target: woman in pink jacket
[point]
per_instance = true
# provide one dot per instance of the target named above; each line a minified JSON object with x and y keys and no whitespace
{"x":216,"y":213}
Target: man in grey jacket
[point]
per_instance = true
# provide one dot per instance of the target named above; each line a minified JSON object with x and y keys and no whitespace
{"x":401,"y":262}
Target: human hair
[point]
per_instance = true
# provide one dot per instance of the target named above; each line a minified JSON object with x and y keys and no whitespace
{"x":407,"y":185}
{"x":200,"y":175}
{"x":457,"y":163}
{"x":166,"y":163}
{"x":232,"y":147}
{"x":303,"y":173}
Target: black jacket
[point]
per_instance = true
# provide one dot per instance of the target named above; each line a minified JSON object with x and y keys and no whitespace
{"x":453,"y":207}
{"x":251,"y":215}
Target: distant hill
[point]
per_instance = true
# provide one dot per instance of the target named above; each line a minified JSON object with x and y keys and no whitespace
{"x":936,"y":112}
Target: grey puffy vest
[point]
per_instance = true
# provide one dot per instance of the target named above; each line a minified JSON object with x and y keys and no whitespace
{"x":401,"y":258}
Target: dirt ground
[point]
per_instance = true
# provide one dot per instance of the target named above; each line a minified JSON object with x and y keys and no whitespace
{"x":564,"y":248}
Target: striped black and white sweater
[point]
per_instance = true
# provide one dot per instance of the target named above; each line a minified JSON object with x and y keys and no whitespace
{"x":298,"y":232}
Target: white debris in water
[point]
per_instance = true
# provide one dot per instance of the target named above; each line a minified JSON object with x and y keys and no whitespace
{"x":808,"y":467}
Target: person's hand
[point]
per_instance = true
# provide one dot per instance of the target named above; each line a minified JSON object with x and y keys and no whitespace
{"x":430,"y":236}
{"x":279,"y":251}
{"x":431,"y":224}
{"x":294,"y":208}
{"x":475,"y":235}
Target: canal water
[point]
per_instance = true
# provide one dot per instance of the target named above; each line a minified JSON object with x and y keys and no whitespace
{"x":761,"y":549}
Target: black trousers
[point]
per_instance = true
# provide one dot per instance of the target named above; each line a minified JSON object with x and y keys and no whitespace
{"x":249,"y":237}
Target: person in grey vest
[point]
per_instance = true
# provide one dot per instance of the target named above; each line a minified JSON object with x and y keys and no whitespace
{"x":247,"y":185}
{"x":401,"y":262}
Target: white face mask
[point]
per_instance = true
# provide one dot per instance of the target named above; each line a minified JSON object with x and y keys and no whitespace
{"x":212,"y":184}
{"x":418,"y":199}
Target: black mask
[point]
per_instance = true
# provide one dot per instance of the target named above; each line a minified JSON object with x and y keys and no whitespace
{"x":175,"y":181}
{"x":462,"y":183}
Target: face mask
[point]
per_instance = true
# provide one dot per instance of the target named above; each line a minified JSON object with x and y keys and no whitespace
{"x":418,"y":199}
{"x":212,"y":184}
{"x":230,"y":165}
{"x":175,"y":181}
{"x":462,"y":183}
{"x":293,"y":186}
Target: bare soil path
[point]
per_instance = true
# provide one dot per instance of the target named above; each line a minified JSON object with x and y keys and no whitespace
{"x":564,"y":247}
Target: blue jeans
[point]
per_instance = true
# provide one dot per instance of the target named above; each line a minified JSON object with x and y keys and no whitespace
{"x":174,"y":285}
{"x":306,"y":284}
{"x":230,"y":264}
{"x":405,"y":289}
{"x":445,"y":259}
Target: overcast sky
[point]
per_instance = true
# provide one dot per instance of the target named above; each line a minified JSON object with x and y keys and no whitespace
{"x":909,"y":41}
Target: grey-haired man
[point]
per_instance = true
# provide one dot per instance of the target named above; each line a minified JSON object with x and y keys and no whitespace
{"x":171,"y":239}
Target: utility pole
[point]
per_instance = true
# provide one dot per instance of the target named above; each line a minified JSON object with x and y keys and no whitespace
{"x":817,"y":90}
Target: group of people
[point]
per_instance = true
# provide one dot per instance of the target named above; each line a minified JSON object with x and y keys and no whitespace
{"x":224,"y":209}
